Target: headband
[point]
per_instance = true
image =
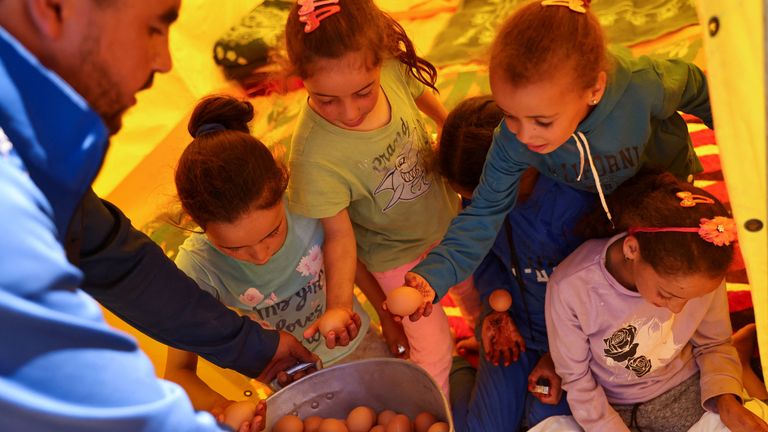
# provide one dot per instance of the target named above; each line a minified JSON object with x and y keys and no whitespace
{"x":720,"y":230}
{"x":312,"y":17}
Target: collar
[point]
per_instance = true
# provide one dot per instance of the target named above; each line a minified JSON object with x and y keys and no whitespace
{"x":59,"y":138}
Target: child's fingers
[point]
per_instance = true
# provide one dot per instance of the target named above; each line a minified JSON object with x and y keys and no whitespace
{"x":311,"y":330}
{"x":330,"y":339}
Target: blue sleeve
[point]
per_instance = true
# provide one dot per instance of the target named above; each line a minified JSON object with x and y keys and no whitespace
{"x":472,"y":233}
{"x":62,"y":366}
{"x":132,"y":277}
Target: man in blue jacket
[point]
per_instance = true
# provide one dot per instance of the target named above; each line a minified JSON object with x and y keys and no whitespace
{"x":68,"y":71}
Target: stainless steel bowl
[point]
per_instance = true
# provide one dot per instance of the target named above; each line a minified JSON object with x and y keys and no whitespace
{"x":380,"y":383}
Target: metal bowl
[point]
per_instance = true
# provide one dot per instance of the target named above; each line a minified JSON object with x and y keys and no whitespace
{"x":379,"y":383}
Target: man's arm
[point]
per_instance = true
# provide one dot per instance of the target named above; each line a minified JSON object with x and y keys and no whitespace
{"x":132,"y":277}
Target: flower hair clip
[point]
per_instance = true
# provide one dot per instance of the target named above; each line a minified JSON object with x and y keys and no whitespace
{"x":311,"y":15}
{"x":720,"y":230}
{"x":574,"y":5}
{"x":688,"y":199}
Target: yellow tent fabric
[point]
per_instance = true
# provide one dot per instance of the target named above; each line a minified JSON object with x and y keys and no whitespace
{"x":734,"y":43}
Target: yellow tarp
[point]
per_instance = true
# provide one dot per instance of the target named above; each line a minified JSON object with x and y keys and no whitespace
{"x":734,"y":42}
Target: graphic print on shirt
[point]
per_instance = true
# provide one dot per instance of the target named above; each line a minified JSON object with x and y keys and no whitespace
{"x":295,"y":313}
{"x":407,"y":179}
{"x":642,"y":345}
{"x":611,"y":168}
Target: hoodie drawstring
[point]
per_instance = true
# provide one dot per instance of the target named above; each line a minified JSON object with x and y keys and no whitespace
{"x":581,"y":141}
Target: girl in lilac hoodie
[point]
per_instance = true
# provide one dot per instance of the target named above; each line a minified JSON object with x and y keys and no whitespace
{"x":637,"y":319}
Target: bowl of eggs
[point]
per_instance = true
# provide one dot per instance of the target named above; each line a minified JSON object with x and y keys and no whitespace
{"x":377,"y":394}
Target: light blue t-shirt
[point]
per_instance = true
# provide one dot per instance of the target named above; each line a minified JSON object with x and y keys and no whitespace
{"x":287,"y":293}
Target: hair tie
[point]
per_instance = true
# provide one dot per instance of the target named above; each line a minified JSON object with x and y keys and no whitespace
{"x":208,"y":128}
{"x":720,"y":230}
{"x":312,"y":17}
{"x":574,"y":5}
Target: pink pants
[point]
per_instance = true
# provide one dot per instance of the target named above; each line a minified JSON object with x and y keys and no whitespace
{"x":430,"y":337}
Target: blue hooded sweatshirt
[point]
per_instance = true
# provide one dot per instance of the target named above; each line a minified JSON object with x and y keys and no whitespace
{"x":635,"y":125}
{"x":62,"y":367}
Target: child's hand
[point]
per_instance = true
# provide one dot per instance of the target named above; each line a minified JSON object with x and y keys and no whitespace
{"x":346,"y":326}
{"x":501,"y":339}
{"x":736,"y":417}
{"x":545,"y":369}
{"x":247,"y":420}
{"x":414,"y":280}
{"x":395,"y":336}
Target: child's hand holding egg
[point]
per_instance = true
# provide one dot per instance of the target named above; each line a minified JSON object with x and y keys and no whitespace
{"x":337,"y":325}
{"x":404,"y":301}
{"x":238,"y":413}
{"x":500,"y":300}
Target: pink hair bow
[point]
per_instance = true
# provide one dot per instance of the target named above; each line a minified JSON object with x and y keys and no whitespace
{"x":311,"y":15}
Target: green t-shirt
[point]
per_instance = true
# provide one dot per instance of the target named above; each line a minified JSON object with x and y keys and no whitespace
{"x":398,"y":206}
{"x":287,"y":293}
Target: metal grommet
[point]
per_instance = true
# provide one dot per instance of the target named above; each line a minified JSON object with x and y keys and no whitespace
{"x":753,"y":225}
{"x":713,"y":26}
{"x":248,"y":393}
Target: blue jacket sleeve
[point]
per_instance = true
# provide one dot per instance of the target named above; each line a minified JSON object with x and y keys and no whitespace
{"x":132,"y":277}
{"x":62,"y":367}
{"x":472,"y":233}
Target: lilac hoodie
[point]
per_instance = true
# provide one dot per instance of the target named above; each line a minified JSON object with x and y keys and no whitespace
{"x":611,"y":346}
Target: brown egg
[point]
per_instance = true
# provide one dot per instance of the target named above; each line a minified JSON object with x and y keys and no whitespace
{"x":332,"y":425}
{"x":361,"y":419}
{"x":404,"y":300}
{"x":439,"y":427}
{"x":423,"y":421}
{"x":288,"y":423}
{"x":238,"y":413}
{"x":399,"y":423}
{"x":312,"y":423}
{"x":333,"y":320}
{"x":378,"y":428}
{"x":385,"y":416}
{"x":500,"y":300}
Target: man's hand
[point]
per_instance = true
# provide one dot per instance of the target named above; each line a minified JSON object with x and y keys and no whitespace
{"x":414,"y":280}
{"x":545,"y":369}
{"x":736,"y":417}
{"x":289,"y":352}
{"x":501,"y":339}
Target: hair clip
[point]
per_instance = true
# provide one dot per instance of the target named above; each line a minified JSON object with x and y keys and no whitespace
{"x":311,"y":16}
{"x":574,"y":5}
{"x":720,"y":230}
{"x":688,"y":199}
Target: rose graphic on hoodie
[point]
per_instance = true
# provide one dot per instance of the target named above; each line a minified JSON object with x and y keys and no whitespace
{"x":621,"y":345}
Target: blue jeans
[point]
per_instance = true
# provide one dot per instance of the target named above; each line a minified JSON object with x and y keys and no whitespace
{"x":497,"y":400}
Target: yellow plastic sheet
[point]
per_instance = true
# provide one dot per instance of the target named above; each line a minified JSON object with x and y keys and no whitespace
{"x":734,"y":41}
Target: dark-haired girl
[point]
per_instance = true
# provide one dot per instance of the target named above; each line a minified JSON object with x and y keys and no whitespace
{"x":637,"y":319}
{"x":253,"y":255}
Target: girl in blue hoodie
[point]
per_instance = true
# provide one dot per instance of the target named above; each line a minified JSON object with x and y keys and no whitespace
{"x":579,"y":114}
{"x":537,"y":234}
